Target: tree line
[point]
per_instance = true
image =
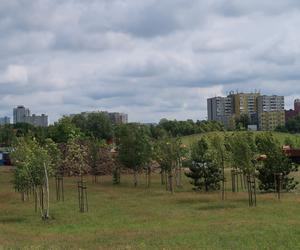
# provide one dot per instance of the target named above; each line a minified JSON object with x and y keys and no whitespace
{"x":99,"y":126}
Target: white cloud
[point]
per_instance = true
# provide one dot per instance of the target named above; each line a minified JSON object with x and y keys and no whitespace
{"x":15,"y":74}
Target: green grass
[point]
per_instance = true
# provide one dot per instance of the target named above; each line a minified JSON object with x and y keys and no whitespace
{"x":188,"y":140}
{"x":124,"y":217}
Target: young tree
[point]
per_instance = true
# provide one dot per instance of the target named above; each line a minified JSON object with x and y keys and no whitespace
{"x":242,"y":151}
{"x":205,"y":174}
{"x":134,"y":149}
{"x":76,"y":162}
{"x":219,"y":155}
{"x":94,"y":157}
{"x":169,"y":154}
{"x":76,"y":158}
{"x":276,"y":163}
{"x":33,"y":169}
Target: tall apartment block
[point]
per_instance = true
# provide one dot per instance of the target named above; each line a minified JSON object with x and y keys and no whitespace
{"x":19,"y":114}
{"x":271,"y":112}
{"x":22,"y":115}
{"x":4,"y":120}
{"x":244,"y":103}
{"x":265,"y":112}
{"x":220,"y":109}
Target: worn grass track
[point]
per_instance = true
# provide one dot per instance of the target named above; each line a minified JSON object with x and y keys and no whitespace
{"x":124,"y":217}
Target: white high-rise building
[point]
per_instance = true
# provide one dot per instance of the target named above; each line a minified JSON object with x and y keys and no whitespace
{"x":20,"y":113}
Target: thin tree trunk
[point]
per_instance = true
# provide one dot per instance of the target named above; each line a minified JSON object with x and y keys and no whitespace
{"x":135,"y":178}
{"x":23,"y":196}
{"x":149,"y":176}
{"x":176,"y":176}
{"x":47,"y":191}
{"x":180,"y":174}
{"x":171,"y":182}
{"x":39,"y":193}
{"x":162,"y":177}
{"x":166,"y":180}
{"x":223,"y":180}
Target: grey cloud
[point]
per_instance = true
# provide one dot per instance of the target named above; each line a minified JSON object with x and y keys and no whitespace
{"x":148,"y":58}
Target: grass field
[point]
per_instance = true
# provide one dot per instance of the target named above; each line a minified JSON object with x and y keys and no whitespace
{"x":124,"y":217}
{"x":188,"y":140}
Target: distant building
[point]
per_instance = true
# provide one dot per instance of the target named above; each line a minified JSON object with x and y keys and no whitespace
{"x":271,"y":112}
{"x":264,"y":112}
{"x":114,"y":117}
{"x":19,"y":114}
{"x":118,"y":118}
{"x":270,"y":103}
{"x":227,"y":109}
{"x":37,"y":120}
{"x":244,"y":103}
{"x":22,"y":115}
{"x":220,"y":109}
{"x":289,"y":114}
{"x":270,"y":120}
{"x":4,"y":120}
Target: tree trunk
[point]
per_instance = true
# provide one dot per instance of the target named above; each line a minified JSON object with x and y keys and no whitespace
{"x":135,"y":180}
{"x":23,"y":196}
{"x":177,"y":176}
{"x":166,"y":180}
{"x":47,"y":191}
{"x":223,"y":180}
{"x":170,"y":176}
{"x":149,"y":177}
{"x":180,"y":174}
{"x":162,"y":176}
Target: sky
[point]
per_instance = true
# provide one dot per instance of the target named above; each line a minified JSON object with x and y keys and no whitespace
{"x":151,"y":59}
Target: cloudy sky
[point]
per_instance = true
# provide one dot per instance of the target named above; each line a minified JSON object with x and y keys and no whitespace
{"x":148,"y":58}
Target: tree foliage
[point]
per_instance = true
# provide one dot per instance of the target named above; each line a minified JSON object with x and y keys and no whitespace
{"x":204,"y":172}
{"x":33,"y":166}
{"x":242,"y":151}
{"x":134,"y":149}
{"x":276,"y":162}
{"x":180,"y":128}
{"x":76,"y":158}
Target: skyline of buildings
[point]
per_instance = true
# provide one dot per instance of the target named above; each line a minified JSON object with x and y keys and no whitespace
{"x":22,"y":115}
{"x":265,"y":112}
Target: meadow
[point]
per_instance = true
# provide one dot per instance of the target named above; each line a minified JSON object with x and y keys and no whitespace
{"x":188,"y":140}
{"x":124,"y":217}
